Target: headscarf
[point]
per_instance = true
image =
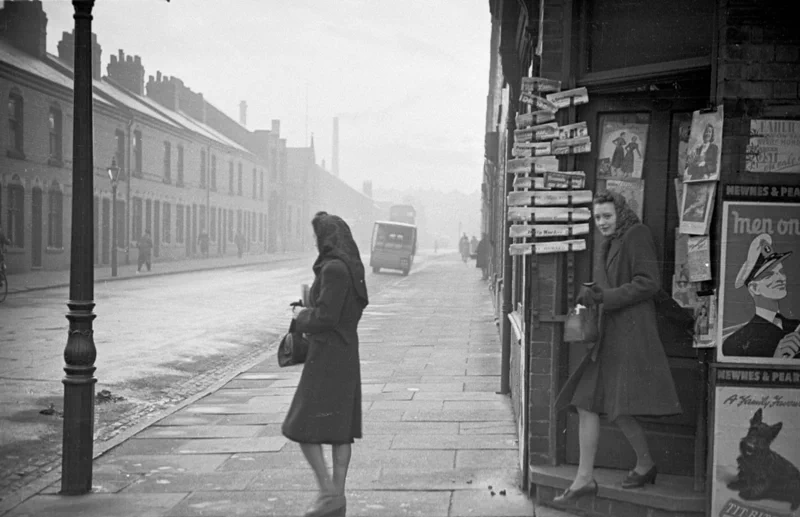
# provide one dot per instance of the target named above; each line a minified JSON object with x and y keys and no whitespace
{"x":626,"y":217}
{"x":335,"y":241}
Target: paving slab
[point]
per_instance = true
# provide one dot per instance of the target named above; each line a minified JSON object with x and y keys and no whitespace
{"x":459,"y":442}
{"x":397,"y":503}
{"x":401,"y":428}
{"x":486,"y":458}
{"x":472,"y":503}
{"x":105,"y":505}
{"x":243,"y":504}
{"x":469,"y":396}
{"x":460,"y":415}
{"x":188,"y":419}
{"x":183,"y":482}
{"x":488,"y":428}
{"x":143,"y":463}
{"x":233,"y":445}
{"x":201,"y":431}
{"x":445,"y":479}
{"x":252,"y":419}
{"x":302,"y":478}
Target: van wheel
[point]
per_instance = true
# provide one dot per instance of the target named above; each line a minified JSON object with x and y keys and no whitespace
{"x":405,"y":272}
{"x":376,"y":270}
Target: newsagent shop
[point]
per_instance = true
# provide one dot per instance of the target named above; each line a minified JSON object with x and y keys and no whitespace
{"x":690,"y":110}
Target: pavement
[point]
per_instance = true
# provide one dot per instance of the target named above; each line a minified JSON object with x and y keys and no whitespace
{"x":438,"y":439}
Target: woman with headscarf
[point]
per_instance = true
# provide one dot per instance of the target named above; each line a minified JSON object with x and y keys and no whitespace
{"x":326,"y":408}
{"x":625,"y":374}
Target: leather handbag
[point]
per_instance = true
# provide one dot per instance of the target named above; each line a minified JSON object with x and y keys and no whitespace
{"x":292,"y":349}
{"x":581,"y":325}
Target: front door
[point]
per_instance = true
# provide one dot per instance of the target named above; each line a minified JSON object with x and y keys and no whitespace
{"x":156,"y":228}
{"x":36,"y":228}
{"x":655,"y":126}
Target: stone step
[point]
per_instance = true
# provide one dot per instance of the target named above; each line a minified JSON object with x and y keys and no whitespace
{"x":672,"y":496}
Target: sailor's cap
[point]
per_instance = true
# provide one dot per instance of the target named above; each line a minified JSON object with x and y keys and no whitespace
{"x":760,"y":259}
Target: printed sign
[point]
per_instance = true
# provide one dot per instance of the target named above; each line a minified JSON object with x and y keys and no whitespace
{"x":623,"y":142}
{"x":759,"y":299}
{"x":533,"y":118}
{"x":540,"y":84}
{"x":774,"y":146}
{"x":550,"y":197}
{"x":756,"y":432}
{"x":547,"y":230}
{"x":697,"y":206}
{"x":549,"y":215}
{"x":703,"y":150}
{"x":532,"y":164}
{"x":539,"y":248}
{"x":565,"y":98}
{"x":788,"y":193}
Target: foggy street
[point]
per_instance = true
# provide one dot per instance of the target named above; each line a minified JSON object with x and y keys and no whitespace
{"x":159,"y":340}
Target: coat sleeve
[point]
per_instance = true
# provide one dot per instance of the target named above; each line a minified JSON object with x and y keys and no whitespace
{"x":644,"y":283}
{"x":325,"y":315}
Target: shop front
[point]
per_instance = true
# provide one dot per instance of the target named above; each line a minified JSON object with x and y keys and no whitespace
{"x":682,"y":107}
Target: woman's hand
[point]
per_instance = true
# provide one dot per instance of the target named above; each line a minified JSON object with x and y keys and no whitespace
{"x":295,"y":311}
{"x":590,"y":296}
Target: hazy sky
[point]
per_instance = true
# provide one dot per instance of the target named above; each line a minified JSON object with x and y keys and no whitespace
{"x":407,"y":78}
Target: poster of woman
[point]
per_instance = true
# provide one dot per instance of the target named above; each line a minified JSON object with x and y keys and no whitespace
{"x":702,"y":152}
{"x":623,"y":141}
{"x":759,"y":300}
{"x":698,"y":203}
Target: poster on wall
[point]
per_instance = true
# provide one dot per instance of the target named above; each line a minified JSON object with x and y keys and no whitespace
{"x":756,"y":431}
{"x":697,"y":206}
{"x":623,"y":142}
{"x":759,"y":299}
{"x":705,"y":322}
{"x":703,"y":149}
{"x":774,"y":146}
{"x":632,"y":190}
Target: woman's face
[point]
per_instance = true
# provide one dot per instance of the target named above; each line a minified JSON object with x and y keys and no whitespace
{"x":708,"y":134}
{"x":605,"y":218}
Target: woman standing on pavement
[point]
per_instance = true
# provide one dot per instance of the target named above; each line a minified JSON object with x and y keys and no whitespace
{"x":626,"y":373}
{"x":326,"y":408}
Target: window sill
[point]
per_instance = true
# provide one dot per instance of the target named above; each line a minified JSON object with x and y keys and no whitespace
{"x":16,"y":154}
{"x":14,"y":250}
{"x":53,"y":251}
{"x":55,"y":162}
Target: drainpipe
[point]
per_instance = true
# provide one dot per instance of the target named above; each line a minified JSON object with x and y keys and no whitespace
{"x":508,"y":270}
{"x":128,"y":211}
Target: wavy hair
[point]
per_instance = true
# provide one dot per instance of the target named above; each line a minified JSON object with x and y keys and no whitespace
{"x":626,"y":217}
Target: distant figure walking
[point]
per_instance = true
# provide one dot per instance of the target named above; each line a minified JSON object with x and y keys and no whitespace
{"x":202,"y":240}
{"x":473,"y":246}
{"x":145,"y":246}
{"x":239,"y":241}
{"x":326,"y":408}
{"x":463,"y":248}
{"x":482,"y":259}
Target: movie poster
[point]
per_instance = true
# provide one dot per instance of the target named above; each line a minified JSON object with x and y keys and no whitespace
{"x":759,"y":294}
{"x":756,"y":432}
{"x":623,"y":142}
{"x":702,"y":161}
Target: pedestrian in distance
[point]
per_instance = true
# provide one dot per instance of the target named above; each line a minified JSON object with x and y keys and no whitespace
{"x":239,"y":241}
{"x":202,"y":240}
{"x":625,"y":374}
{"x":145,"y":246}
{"x":463,"y":247}
{"x":473,"y":246}
{"x":482,"y":256}
{"x":326,"y":408}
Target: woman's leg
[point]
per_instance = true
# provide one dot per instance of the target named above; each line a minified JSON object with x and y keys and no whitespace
{"x":341,"y":462}
{"x":635,"y":434}
{"x":588,"y":437}
{"x":315,"y":458}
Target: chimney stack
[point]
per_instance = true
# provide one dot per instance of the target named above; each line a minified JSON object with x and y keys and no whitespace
{"x":276,"y":126}
{"x":24,"y":25}
{"x":66,"y":52}
{"x":243,"y":113}
{"x":335,"y":156}
{"x":164,"y":90}
{"x":127,"y":71}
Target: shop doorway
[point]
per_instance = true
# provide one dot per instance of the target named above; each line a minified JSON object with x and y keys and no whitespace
{"x":664,"y":116}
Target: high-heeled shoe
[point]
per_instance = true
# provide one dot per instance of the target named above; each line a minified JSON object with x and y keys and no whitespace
{"x":636,"y":480}
{"x":326,"y":506}
{"x":570,"y":495}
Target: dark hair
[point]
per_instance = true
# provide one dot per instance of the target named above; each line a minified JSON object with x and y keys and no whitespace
{"x":626,"y":217}
{"x":713,"y":132}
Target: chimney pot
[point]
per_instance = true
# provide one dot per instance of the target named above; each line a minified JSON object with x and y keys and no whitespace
{"x":158,"y":76}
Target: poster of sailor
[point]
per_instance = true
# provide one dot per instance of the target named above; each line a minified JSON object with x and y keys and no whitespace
{"x":756,"y":457}
{"x":759,"y":300}
{"x":774,"y":146}
{"x":623,"y":143}
{"x":703,"y":149}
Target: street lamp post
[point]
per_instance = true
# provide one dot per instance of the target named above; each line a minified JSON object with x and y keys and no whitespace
{"x":113,"y":175}
{"x":80,"y":353}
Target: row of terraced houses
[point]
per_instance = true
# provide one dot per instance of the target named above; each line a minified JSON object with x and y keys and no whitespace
{"x":186,"y":168}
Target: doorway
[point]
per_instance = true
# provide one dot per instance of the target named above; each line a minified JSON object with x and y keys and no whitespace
{"x":658,"y":123}
{"x":36,"y":228}
{"x":156,"y":228}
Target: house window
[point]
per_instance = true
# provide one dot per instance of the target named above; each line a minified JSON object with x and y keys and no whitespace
{"x":203,"y":168}
{"x":180,"y":165}
{"x":261,"y":187}
{"x":239,"y":182}
{"x":230,"y":177}
{"x":167,"y":162}
{"x":179,"y":223}
{"x":55,"y":210}
{"x":15,"y":139}
{"x":253,"y":227}
{"x":166,"y":223}
{"x":136,"y":223}
{"x":119,"y":224}
{"x":230,"y":225}
{"x":212,"y":234}
{"x":239,"y":220}
{"x":255,"y":183}
{"x":55,"y":135}
{"x":137,"y":153}
{"x":213,"y":172}
{"x":119,"y":156}
{"x":15,"y":216}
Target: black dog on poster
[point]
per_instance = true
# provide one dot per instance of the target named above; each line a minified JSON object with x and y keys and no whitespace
{"x":763,"y":473}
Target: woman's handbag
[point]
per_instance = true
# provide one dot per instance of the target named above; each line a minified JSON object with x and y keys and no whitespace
{"x":292,"y":349}
{"x":581,"y":325}
{"x":675,"y":323}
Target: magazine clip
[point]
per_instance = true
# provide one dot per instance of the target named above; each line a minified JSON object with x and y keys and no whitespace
{"x":711,"y":108}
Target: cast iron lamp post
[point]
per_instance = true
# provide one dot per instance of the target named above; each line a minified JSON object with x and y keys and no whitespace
{"x":113,"y":175}
{"x":80,"y":353}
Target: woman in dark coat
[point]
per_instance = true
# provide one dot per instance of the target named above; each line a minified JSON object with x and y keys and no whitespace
{"x":326,"y":408}
{"x":482,"y":258}
{"x":626,"y":374}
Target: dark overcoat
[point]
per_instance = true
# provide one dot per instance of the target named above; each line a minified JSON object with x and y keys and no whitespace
{"x":627,"y":373}
{"x":327,"y":404}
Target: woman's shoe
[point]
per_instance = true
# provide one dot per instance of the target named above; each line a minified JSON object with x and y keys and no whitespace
{"x":636,"y":480}
{"x":570,"y":495}
{"x":326,"y":505}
